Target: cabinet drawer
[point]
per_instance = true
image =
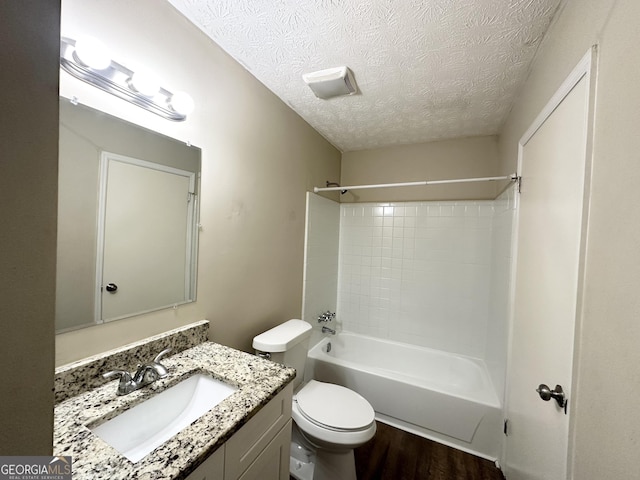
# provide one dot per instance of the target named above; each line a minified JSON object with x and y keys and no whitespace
{"x":248,"y":442}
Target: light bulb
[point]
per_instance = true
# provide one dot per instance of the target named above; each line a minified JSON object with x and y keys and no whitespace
{"x":92,"y":53}
{"x":144,"y":84}
{"x":181,"y":102}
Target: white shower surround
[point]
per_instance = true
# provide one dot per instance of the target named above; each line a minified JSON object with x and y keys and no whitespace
{"x":432,"y":274}
{"x":417,"y":272}
{"x":320,"y":278}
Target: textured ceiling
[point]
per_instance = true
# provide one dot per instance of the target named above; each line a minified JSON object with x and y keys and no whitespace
{"x":426,"y":69}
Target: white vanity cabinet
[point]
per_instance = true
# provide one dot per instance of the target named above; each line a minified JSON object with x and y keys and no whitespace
{"x":212,"y":468}
{"x":259,"y":450}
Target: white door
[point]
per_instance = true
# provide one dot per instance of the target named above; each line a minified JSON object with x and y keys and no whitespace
{"x":147,"y":212}
{"x":548,"y":254}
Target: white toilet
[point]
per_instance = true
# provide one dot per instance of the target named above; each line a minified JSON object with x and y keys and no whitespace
{"x":329,"y":420}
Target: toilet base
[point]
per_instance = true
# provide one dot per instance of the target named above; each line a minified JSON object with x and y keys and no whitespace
{"x":310,"y":463}
{"x":334,"y":466}
{"x":300,"y":470}
{"x":327,"y":467}
{"x":302,"y":459}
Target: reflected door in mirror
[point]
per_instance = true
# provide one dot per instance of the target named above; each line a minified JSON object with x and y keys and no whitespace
{"x":147,"y":214}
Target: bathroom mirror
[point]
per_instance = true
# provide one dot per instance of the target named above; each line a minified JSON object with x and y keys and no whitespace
{"x":127,"y":219}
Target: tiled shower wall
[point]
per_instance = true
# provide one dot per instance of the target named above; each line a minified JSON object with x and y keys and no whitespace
{"x":417,"y":272}
{"x":432,"y":274}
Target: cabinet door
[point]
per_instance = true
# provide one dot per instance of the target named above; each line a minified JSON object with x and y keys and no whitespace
{"x":273,"y":462}
{"x":247,"y":443}
{"x":212,"y":468}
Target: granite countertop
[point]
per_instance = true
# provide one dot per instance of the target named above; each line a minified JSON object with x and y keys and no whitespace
{"x":258,"y":381}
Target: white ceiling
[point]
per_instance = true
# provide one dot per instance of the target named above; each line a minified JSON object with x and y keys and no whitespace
{"x":426,"y":69}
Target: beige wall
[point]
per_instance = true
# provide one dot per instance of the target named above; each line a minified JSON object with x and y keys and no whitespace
{"x":28,"y":172}
{"x":441,"y":160}
{"x":258,"y":160}
{"x":606,"y":422}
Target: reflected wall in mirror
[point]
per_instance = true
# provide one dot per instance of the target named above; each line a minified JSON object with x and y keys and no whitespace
{"x":127,"y":219}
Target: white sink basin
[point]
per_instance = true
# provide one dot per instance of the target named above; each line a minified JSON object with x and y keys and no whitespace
{"x":141,"y":429}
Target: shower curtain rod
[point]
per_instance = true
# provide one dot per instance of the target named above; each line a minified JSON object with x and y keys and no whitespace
{"x":512,"y":177}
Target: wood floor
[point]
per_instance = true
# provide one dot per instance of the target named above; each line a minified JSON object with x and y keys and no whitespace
{"x":397,"y":455}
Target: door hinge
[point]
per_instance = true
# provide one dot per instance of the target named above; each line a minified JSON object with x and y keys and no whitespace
{"x":505,"y":428}
{"x":190,"y":195}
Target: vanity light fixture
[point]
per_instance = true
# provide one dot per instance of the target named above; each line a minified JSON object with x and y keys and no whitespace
{"x":92,"y":53}
{"x":144,"y":83}
{"x":89,"y":60}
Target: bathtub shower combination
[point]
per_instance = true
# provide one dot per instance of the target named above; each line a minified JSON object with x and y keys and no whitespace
{"x":443,"y":396}
{"x":421,"y":293}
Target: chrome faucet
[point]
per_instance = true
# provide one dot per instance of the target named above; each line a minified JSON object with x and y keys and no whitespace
{"x":326,"y":329}
{"x":145,"y":375}
{"x":326,"y":316}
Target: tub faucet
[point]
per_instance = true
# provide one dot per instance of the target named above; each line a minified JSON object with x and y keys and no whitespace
{"x":326,"y":329}
{"x":145,"y":375}
{"x":326,"y":316}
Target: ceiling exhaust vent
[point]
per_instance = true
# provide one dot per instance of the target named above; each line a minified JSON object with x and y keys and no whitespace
{"x":332,"y":82}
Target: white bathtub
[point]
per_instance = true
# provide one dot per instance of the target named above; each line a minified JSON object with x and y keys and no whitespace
{"x":443,"y":396}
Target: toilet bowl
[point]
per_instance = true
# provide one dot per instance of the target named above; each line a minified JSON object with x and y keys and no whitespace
{"x":329,"y":420}
{"x":333,"y":417}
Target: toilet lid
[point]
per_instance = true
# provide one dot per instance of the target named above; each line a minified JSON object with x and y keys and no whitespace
{"x":334,"y":406}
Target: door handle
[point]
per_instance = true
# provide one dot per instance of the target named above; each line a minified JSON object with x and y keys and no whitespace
{"x":111,"y":288}
{"x":557,"y":394}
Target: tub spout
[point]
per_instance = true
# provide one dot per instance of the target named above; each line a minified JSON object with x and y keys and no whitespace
{"x":326,"y":329}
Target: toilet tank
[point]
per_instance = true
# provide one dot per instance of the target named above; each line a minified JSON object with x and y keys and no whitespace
{"x":288,"y":343}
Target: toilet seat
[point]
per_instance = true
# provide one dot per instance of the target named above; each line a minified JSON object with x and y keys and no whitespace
{"x":331,"y":425}
{"x":334,"y":407}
